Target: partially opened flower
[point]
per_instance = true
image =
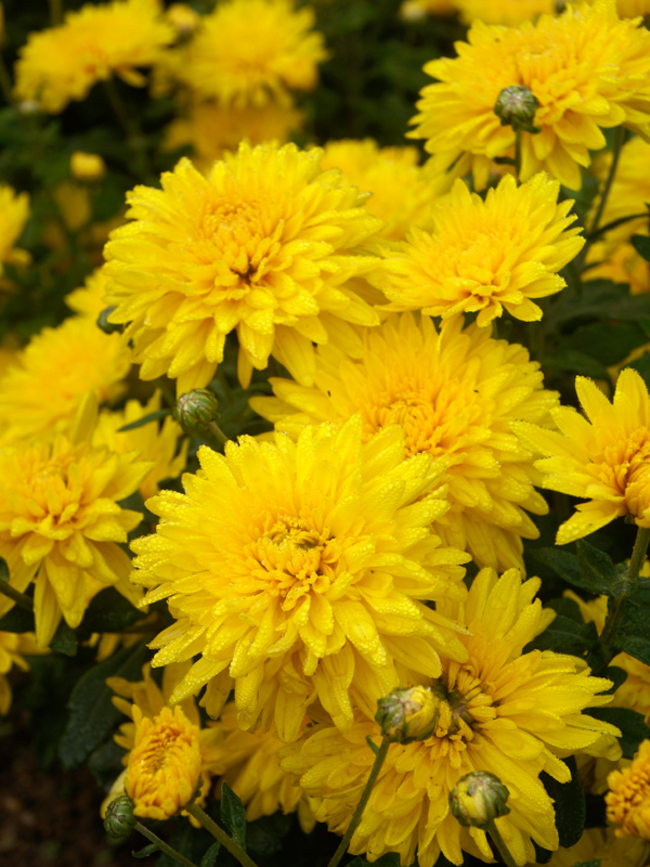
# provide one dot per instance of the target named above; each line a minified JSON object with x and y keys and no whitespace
{"x":628,"y":799}
{"x":300,"y":571}
{"x":603,"y":458}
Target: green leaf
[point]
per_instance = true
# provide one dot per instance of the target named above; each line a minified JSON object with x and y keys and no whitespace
{"x":264,"y":835}
{"x":17,"y":620}
{"x":91,"y":711}
{"x":148,"y":850}
{"x":576,"y":362}
{"x":598,"y":572}
{"x":565,"y":636}
{"x":233,"y":814}
{"x":109,"y":611}
{"x":641,"y":244}
{"x":642,"y":365}
{"x":632,"y":726}
{"x":596,"y":862}
{"x":570,"y":808}
{"x":602,"y":299}
{"x":612,"y":342}
{"x":152,"y":416}
{"x":64,"y":640}
{"x":633,"y":633}
{"x":210,"y":857}
{"x":563,"y":563}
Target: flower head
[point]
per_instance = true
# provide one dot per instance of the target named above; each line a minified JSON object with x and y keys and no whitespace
{"x":408,"y":713}
{"x":486,"y":256}
{"x":296,"y":571}
{"x":89,"y":299}
{"x":63,"y":63}
{"x":509,"y":12}
{"x":267,"y":244}
{"x":628,"y":800}
{"x":455,"y":394}
{"x":478,"y":799}
{"x":588,"y":69}
{"x":14,"y":210}
{"x":603,"y":458}
{"x":509,"y":713}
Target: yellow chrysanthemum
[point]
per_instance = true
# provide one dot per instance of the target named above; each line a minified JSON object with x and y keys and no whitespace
{"x":402,"y":191}
{"x":267,"y":244}
{"x":602,"y":844}
{"x":49,"y":379}
{"x":414,"y":10}
{"x":622,"y":265}
{"x":501,"y":711}
{"x":455,"y":394}
{"x":14,"y":210}
{"x":296,"y":570}
{"x":486,"y":255}
{"x":63,"y":63}
{"x":628,"y":800}
{"x":12,"y":647}
{"x":588,"y":69}
{"x":60,"y":522}
{"x":604,"y":458}
{"x":247,"y":52}
{"x":89,"y":300}
{"x":213,"y":129}
{"x":509,"y":12}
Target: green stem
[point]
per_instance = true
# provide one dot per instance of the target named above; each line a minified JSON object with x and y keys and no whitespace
{"x":500,"y":843}
{"x":615,"y":616}
{"x":19,"y":598}
{"x":164,"y":847}
{"x":220,"y":835}
{"x":361,"y":806}
{"x":217,"y":433}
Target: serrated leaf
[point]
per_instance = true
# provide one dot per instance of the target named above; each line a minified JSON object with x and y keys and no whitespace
{"x":146,"y":419}
{"x":632,"y":726}
{"x":596,"y":567}
{"x":641,"y":244}
{"x":91,"y":712}
{"x":603,"y":299}
{"x":64,"y":640}
{"x":109,"y":611}
{"x":612,"y":341}
{"x":148,"y":850}
{"x":563,"y":563}
{"x":633,"y":633}
{"x":570,"y":808}
{"x":576,"y":362}
{"x":233,"y":815}
{"x":636,"y":645}
{"x":210,"y":857}
{"x":565,"y":636}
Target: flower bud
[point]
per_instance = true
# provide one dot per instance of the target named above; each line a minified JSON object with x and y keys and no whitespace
{"x":87,"y":167}
{"x":103,"y":321}
{"x":407,"y":714}
{"x":478,"y":798}
{"x":516,"y":106}
{"x":119,"y":818}
{"x":196,"y":410}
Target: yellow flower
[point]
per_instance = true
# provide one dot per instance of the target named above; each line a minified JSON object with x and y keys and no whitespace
{"x":621,"y":265}
{"x":87,"y":167}
{"x":63,"y":63}
{"x":183,"y":18}
{"x":414,"y":10}
{"x":587,"y":68}
{"x":455,"y":394}
{"x":509,"y":713}
{"x":632,"y":8}
{"x":49,"y":379}
{"x":601,"y":843}
{"x":60,"y":522}
{"x":486,"y":255}
{"x":628,"y":800}
{"x":14,"y":210}
{"x":510,"y":12}
{"x":267,"y":244}
{"x":12,"y":647}
{"x":603,"y":458}
{"x":248,"y":52}
{"x":152,"y":443}
{"x":89,"y":300}
{"x":296,"y":571}
{"x":402,"y":191}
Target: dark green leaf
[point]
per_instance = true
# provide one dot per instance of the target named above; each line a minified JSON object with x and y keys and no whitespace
{"x":17,"y":620}
{"x":642,"y":365}
{"x":390,"y":859}
{"x":598,"y":572}
{"x":570,"y":809}
{"x":596,"y":862}
{"x":602,"y":299}
{"x":611,"y":342}
{"x":109,"y":611}
{"x":64,"y":640}
{"x":565,"y":636}
{"x":91,"y":712}
{"x":632,"y":726}
{"x":210,"y":857}
{"x":148,"y":850}
{"x":576,"y":362}
{"x":152,"y":416}
{"x":264,"y":835}
{"x":233,"y":814}
{"x":633,"y":633}
{"x":563,"y":563}
{"x":636,"y":645}
{"x":641,"y":244}
{"x":4,"y":570}
{"x":617,"y":675}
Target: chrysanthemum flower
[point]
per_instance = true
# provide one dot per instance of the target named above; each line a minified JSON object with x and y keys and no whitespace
{"x":633,"y":8}
{"x":604,"y":458}
{"x":588,"y":69}
{"x":296,"y":571}
{"x":12,"y":647}
{"x":89,"y":299}
{"x":60,"y":522}
{"x":628,"y":801}
{"x":14,"y":210}
{"x":247,"y":52}
{"x":267,"y":244}
{"x":602,"y":844}
{"x":414,"y":10}
{"x":49,"y":379}
{"x":510,"y":713}
{"x":509,"y":12}
{"x":63,"y":63}
{"x":486,"y":255}
{"x":455,"y":394}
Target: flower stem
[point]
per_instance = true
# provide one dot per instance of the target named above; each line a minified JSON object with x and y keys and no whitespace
{"x":380,"y":755}
{"x":217,"y":433}
{"x":19,"y":598}
{"x":164,"y":847}
{"x":500,"y":843}
{"x":631,"y":580}
{"x":220,"y":835}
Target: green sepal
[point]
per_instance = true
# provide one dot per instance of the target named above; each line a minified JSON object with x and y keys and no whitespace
{"x":233,"y":814}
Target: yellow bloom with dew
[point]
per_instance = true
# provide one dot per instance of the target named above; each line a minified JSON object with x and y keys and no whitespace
{"x":300,"y":571}
{"x":50,"y":378}
{"x":402,"y":191}
{"x":267,"y":245}
{"x":509,"y":12}
{"x":12,"y":647}
{"x":455,"y":394}
{"x":60,"y":522}
{"x":509,"y":713}
{"x":94,"y":44}
{"x":601,"y":843}
{"x":486,"y":256}
{"x":89,"y":299}
{"x":588,"y":69}
{"x":628,"y":799}
{"x":14,"y":210}
{"x":603,"y":458}
{"x":248,"y":52}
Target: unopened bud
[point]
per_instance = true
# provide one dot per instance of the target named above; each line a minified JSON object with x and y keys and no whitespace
{"x":103,"y":321}
{"x":87,"y":167}
{"x":407,"y":714}
{"x":196,"y":410}
{"x":516,"y":106}
{"x":479,"y":798}
{"x":119,"y":819}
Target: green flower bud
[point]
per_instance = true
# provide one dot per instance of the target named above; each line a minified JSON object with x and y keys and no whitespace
{"x":196,"y":410}
{"x":516,"y":106}
{"x":479,"y":798}
{"x":119,"y":819}
{"x":408,"y":714}
{"x":103,"y":322}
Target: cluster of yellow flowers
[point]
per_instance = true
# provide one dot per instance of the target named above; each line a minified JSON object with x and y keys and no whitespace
{"x":312,"y":570}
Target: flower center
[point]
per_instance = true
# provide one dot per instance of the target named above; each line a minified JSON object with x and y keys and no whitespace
{"x":625,"y":466}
